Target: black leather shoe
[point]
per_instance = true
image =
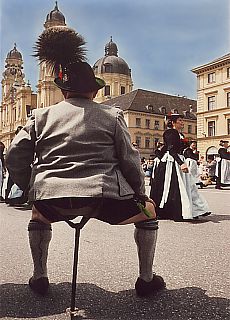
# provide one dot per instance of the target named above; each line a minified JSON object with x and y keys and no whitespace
{"x":144,"y":289}
{"x":206,"y":214}
{"x":40,"y":285}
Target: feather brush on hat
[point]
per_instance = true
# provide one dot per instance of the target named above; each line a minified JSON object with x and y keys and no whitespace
{"x":60,"y":46}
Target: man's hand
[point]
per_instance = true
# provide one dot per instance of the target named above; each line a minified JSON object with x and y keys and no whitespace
{"x":151,"y":201}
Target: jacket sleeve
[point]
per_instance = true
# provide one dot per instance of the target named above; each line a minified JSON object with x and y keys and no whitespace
{"x":171,"y":141}
{"x":188,"y":153}
{"x":20,"y":155}
{"x":129,"y":158}
{"x":224,"y":153}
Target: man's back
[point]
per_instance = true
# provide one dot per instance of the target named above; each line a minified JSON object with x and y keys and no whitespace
{"x":81,"y":150}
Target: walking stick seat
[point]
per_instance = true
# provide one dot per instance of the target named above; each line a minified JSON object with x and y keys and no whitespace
{"x":73,"y":311}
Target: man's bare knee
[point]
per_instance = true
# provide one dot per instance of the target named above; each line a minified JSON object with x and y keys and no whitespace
{"x":142,"y":216}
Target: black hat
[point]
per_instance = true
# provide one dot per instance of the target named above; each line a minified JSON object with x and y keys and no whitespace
{"x":63,"y":50}
{"x":79,"y":77}
{"x":174,"y":116}
{"x":223,"y":141}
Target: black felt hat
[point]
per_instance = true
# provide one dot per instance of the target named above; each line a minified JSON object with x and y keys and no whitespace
{"x":223,"y":141}
{"x":63,"y":50}
{"x":78,"y":77}
{"x":174,"y":116}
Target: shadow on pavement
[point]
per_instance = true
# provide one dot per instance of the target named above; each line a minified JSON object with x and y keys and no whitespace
{"x":217,"y":218}
{"x":190,"y":303}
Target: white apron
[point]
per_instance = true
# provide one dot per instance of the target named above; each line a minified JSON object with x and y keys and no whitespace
{"x":193,"y":204}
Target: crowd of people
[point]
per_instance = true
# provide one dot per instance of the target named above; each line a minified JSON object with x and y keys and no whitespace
{"x":205,"y":172}
{"x":75,"y":158}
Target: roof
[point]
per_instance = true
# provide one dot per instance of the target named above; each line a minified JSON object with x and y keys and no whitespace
{"x":214,"y":63}
{"x":154,"y":103}
{"x":14,"y":54}
{"x":111,"y":63}
{"x":55,"y":15}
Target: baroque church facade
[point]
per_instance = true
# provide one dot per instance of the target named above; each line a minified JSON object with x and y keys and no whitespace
{"x":18,"y":99}
{"x":144,"y":111}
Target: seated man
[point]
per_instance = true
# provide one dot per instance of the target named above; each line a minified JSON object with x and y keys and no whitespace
{"x":78,"y":159}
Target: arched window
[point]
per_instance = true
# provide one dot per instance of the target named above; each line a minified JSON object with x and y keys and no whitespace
{"x":108,"y":67}
{"x":107,"y":91}
{"x":212,"y":151}
{"x":162,"y":109}
{"x":149,"y":107}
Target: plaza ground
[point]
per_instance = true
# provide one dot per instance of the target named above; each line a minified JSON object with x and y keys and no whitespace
{"x":192,"y":257}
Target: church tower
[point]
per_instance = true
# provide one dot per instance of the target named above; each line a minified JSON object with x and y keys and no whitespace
{"x":115,"y":72}
{"x":48,"y":92}
{"x":17,"y":97}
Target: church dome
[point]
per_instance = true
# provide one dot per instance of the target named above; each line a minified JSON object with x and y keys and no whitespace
{"x":14,"y":54}
{"x":55,"y":15}
{"x":111,"y":63}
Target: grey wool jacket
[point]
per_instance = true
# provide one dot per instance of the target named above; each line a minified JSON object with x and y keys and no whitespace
{"x":76,"y":148}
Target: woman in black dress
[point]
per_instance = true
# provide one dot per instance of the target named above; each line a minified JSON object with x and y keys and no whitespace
{"x":173,"y":188}
{"x":223,"y":166}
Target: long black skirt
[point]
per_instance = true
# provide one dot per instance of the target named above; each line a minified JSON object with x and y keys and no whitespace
{"x":172,"y":209}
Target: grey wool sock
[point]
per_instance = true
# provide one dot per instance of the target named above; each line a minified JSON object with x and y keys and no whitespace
{"x":40,"y":235}
{"x":145,"y":236}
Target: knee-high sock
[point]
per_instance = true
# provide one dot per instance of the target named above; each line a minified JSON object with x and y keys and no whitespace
{"x":145,"y":236}
{"x":40,"y":235}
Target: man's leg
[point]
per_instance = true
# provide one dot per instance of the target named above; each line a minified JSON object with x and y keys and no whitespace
{"x":40,"y":234}
{"x":145,"y":235}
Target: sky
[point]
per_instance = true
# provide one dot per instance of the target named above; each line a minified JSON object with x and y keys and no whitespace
{"x":161,"y":40}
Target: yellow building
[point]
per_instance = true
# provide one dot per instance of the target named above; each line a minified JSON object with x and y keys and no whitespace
{"x":17,"y":97}
{"x":47,"y":92}
{"x":213,"y":104}
{"x":145,"y":112}
{"x":115,"y":72}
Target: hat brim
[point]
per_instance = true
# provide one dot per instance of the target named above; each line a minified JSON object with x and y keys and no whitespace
{"x":174,"y":116}
{"x":97,"y":85}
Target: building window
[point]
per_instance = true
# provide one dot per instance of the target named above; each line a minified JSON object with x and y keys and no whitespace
{"x":228,"y":72}
{"x":156,"y":140}
{"x":149,"y":107}
{"x":211,"y":103}
{"x":107,"y":90}
{"x":28,"y":110}
{"x":138,"y":122}
{"x":211,"y":77}
{"x":228,"y":99}
{"x":122,"y":90}
{"x":228,"y":126}
{"x":147,"y":142}
{"x":108,"y":68}
{"x":163,"y":110}
{"x":189,"y":128}
{"x":156,"y":125}
{"x":147,"y":123}
{"x":211,"y":128}
{"x":15,"y":114}
{"x":138,"y":141}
